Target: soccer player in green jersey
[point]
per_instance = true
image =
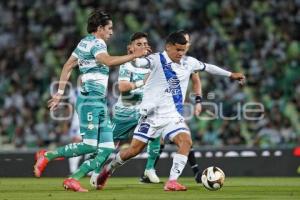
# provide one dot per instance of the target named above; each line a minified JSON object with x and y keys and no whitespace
{"x":131,"y":82}
{"x":94,"y":62}
{"x":126,"y":111}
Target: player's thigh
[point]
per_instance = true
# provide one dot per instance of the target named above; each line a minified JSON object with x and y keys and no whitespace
{"x":93,"y":116}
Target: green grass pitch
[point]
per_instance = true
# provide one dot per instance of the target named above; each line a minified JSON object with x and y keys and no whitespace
{"x":130,"y":189}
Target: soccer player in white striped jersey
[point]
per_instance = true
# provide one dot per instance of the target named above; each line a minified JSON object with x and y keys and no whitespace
{"x":94,"y":61}
{"x":149,"y":173}
{"x":162,"y":107}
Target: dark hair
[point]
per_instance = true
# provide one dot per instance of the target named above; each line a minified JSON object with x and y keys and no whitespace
{"x":176,"y":38}
{"x":138,"y":35}
{"x":184,"y":32}
{"x":97,"y":18}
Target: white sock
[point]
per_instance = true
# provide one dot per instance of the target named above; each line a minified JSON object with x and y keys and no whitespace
{"x":115,"y":163}
{"x":73,"y":163}
{"x":179,"y":162}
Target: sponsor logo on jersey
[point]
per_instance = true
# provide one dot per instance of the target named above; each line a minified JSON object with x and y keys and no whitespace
{"x":83,"y":62}
{"x":173,"y":91}
{"x":91,"y":126}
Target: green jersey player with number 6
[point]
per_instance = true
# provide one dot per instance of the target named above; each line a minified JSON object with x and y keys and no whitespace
{"x":126,"y":111}
{"x":93,"y":60}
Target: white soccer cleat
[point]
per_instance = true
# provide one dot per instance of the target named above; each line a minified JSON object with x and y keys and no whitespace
{"x":93,"y":179}
{"x":151,"y":174}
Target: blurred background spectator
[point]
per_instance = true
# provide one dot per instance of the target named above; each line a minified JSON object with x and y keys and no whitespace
{"x":259,"y":38}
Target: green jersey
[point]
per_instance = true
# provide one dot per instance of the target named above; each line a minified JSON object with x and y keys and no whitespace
{"x":126,"y":110}
{"x":132,"y":98}
{"x":94,"y":75}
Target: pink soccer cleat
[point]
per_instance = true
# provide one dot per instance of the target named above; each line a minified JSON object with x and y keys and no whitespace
{"x":41,"y":163}
{"x":73,"y":184}
{"x":43,"y":151}
{"x":39,"y":153}
{"x":102,"y":178}
{"x":173,"y":185}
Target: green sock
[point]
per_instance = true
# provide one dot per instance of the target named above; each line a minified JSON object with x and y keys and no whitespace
{"x":153,"y":153}
{"x":93,"y":164}
{"x":71,"y":150}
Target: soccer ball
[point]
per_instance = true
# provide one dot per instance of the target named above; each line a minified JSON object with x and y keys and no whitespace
{"x":213,"y":178}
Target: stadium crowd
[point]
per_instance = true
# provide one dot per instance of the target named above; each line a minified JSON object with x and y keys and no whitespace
{"x":259,"y":38}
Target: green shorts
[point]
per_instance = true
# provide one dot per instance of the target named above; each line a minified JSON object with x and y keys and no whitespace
{"x":95,"y":124}
{"x":124,"y":122}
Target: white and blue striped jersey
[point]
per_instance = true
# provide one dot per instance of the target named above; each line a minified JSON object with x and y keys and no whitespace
{"x":166,"y":87}
{"x":94,"y":74}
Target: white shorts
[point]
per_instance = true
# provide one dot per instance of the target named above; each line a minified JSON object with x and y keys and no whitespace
{"x":145,"y":131}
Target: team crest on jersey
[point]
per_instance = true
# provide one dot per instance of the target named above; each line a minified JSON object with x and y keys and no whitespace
{"x":144,"y":128}
{"x":173,"y":82}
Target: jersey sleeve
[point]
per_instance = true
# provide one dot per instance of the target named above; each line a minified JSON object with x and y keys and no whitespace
{"x":145,"y":62}
{"x":124,"y":73}
{"x":74,"y":54}
{"x":196,"y":64}
{"x":151,"y":60}
{"x":98,"y":47}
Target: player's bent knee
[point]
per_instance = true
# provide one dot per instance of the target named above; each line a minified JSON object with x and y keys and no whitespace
{"x":189,"y":143}
{"x":184,"y":143}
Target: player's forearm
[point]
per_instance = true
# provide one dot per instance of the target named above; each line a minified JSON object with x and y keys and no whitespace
{"x":64,"y":77}
{"x":196,"y":84}
{"x":197,"y":88}
{"x":213,"y":69}
{"x":113,"y":61}
{"x":125,"y":86}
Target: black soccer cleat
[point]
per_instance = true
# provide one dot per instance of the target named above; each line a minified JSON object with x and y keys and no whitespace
{"x":198,"y":177}
{"x":144,"y":179}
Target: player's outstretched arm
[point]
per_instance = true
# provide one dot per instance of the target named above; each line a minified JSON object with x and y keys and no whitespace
{"x":64,"y":77}
{"x":125,"y":86}
{"x":213,"y":69}
{"x":112,"y":61}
